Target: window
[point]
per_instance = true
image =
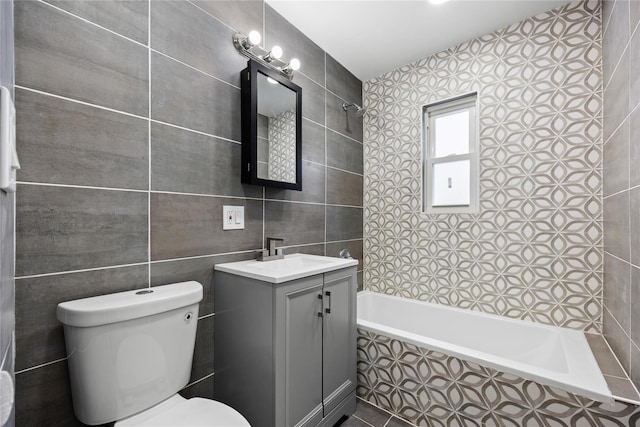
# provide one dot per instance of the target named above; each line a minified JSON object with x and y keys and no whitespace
{"x":451,"y":156}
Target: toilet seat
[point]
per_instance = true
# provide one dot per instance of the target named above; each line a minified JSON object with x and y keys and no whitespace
{"x":178,"y":411}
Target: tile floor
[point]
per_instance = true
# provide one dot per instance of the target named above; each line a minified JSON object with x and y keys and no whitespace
{"x":367,"y":415}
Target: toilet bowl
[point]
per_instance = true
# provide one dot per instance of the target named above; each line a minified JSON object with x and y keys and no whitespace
{"x":129,"y":354}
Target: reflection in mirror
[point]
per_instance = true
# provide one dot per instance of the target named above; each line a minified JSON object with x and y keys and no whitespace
{"x":276,"y":131}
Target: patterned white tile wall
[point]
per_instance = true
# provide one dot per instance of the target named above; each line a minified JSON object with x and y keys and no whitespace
{"x":535,"y":249}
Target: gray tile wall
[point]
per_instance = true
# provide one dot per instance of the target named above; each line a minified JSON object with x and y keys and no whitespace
{"x":7,"y":203}
{"x":129,"y":138}
{"x":621,"y":118}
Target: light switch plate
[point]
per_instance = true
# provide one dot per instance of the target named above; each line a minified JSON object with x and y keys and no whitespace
{"x":233,"y":217}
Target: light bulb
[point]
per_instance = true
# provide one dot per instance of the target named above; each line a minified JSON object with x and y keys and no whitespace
{"x":276,"y":52}
{"x":294,"y":64}
{"x":254,"y":38}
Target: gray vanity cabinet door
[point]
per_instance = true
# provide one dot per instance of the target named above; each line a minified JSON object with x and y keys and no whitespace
{"x":339,"y":350}
{"x":298,"y":340}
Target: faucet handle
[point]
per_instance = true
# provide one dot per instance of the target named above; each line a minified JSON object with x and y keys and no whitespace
{"x":262,"y":254}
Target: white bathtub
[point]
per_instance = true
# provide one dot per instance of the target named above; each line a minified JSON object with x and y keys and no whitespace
{"x":549,"y":355}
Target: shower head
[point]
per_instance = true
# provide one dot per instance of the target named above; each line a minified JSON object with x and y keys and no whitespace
{"x":359,"y":110}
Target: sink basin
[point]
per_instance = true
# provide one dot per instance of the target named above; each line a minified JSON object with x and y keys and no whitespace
{"x":290,"y":267}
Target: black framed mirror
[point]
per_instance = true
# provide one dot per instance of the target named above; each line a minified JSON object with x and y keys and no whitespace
{"x":271,"y":128}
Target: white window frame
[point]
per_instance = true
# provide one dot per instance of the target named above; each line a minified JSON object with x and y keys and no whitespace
{"x":468,"y":102}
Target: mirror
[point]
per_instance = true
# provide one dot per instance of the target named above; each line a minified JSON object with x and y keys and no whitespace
{"x":271,"y":128}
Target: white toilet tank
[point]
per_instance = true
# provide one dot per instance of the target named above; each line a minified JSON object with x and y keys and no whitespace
{"x":130,"y":350}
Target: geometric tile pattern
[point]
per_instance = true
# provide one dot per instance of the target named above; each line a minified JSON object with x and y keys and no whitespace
{"x":282,"y":146}
{"x":428,"y":388}
{"x":534,"y":250}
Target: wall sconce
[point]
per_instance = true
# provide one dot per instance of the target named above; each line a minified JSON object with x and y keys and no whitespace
{"x":249,"y":47}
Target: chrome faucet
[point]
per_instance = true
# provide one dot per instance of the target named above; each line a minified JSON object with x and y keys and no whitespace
{"x":272,"y":252}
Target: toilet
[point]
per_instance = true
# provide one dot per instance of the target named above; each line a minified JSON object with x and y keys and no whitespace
{"x":129,"y":354}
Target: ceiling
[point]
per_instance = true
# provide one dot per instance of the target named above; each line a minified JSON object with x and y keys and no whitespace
{"x":371,"y":37}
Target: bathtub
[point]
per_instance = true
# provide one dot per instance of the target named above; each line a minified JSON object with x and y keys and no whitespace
{"x":548,"y":355}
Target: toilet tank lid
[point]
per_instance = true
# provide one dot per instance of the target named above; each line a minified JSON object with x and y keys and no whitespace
{"x":122,"y":306}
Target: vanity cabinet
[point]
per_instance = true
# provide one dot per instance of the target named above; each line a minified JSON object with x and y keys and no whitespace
{"x":285,"y":354}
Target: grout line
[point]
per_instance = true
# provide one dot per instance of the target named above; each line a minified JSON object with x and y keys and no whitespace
{"x":617,"y":193}
{"x":360,"y":419}
{"x":157,"y":261}
{"x":264,"y":189}
{"x":313,"y":121}
{"x":213,"y":16}
{"x":219,"y":196}
{"x":194,"y":68}
{"x":346,"y":136}
{"x":21,"y":371}
{"x":195,"y":131}
{"x":617,"y":128}
{"x":313,"y":203}
{"x":620,"y":259}
{"x":200,"y":380}
{"x":342,"y":170}
{"x":629,"y":215}
{"x":5,"y":356}
{"x":149,"y":146}
{"x":206,"y":316}
{"x":331,"y":129}
{"x":391,"y":415}
{"x":78,"y":101}
{"x":624,"y":51}
{"x":326,"y":155}
{"x":91,"y":23}
{"x":623,"y":331}
{"x":88,"y":104}
{"x":84,"y":187}
{"x":84,"y":270}
{"x":616,"y":376}
{"x":605,"y":25}
{"x":344,"y":241}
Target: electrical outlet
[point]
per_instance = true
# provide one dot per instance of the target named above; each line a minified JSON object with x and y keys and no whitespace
{"x":233,"y":217}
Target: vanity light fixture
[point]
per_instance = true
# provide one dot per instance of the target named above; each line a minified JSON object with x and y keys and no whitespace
{"x":293,"y":65}
{"x":249,"y":47}
{"x":253,"y":39}
{"x":274,"y":53}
